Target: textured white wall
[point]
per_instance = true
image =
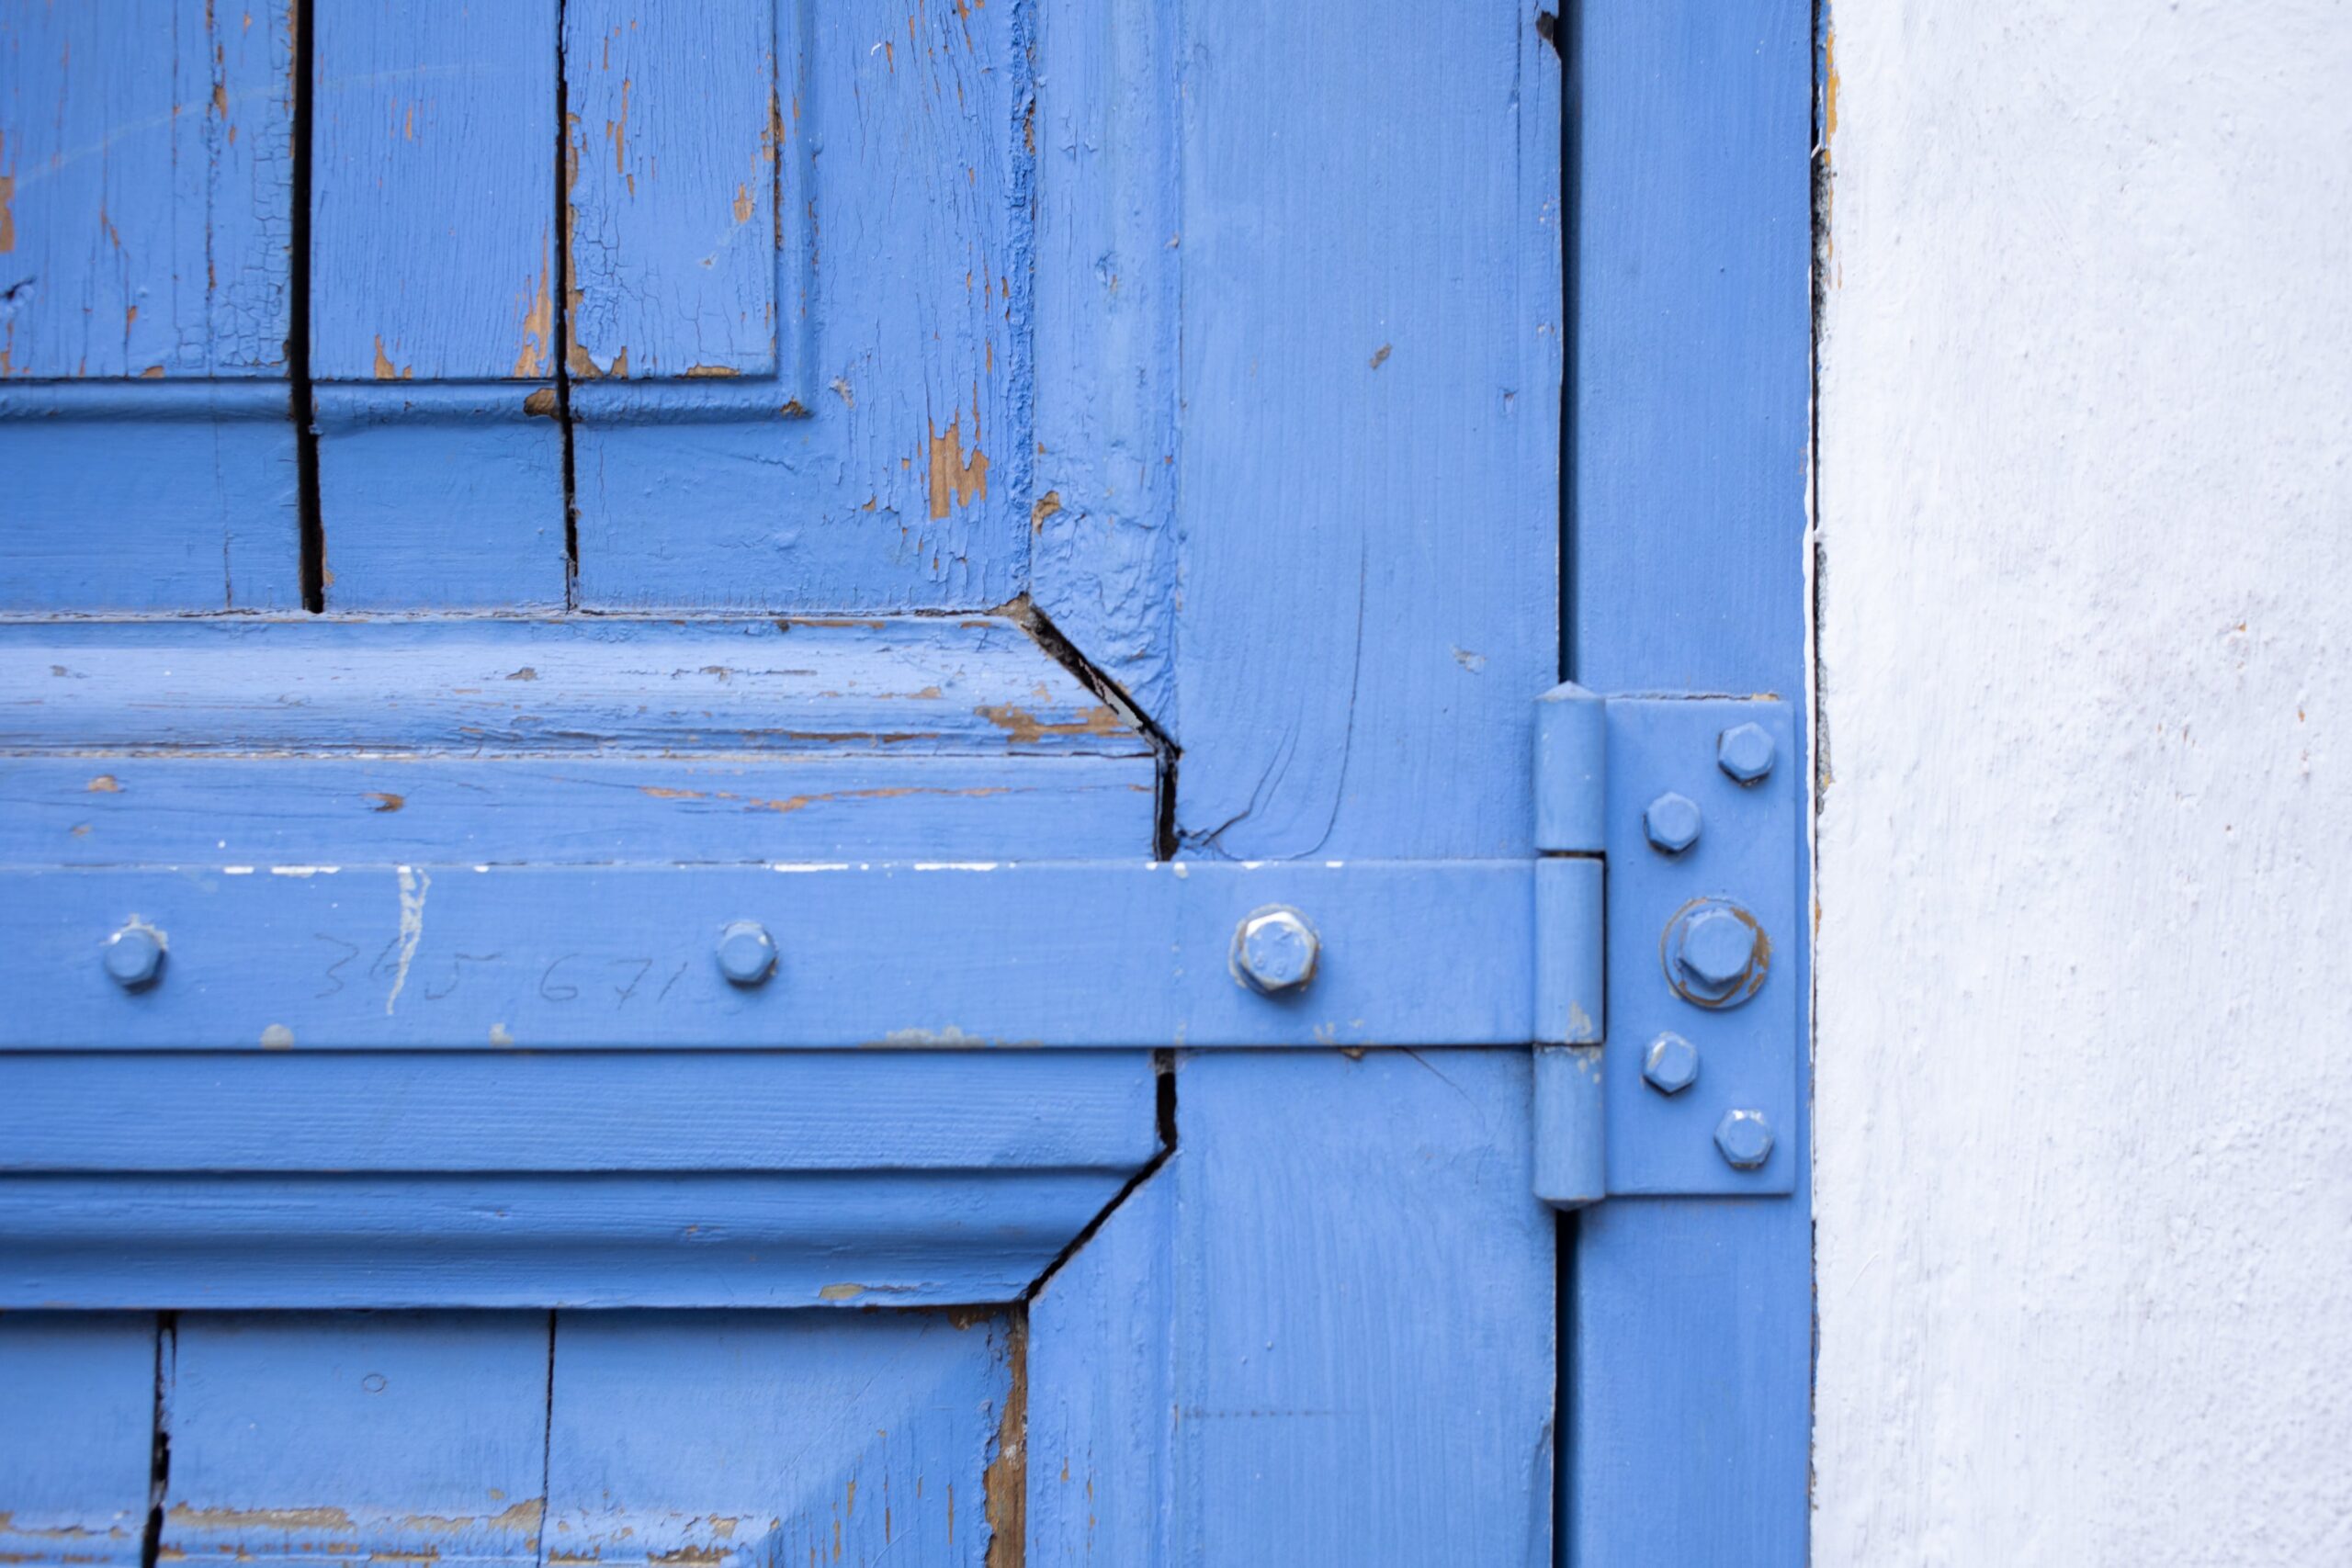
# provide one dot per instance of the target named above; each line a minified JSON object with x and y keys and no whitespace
{"x":2084,"y":1050}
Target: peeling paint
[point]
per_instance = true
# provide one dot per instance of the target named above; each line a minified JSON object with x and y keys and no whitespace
{"x":415,"y":884}
{"x":956,"y":478}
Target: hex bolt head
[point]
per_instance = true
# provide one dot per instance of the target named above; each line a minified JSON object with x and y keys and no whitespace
{"x":1714,"y":950}
{"x":1671,"y":1064}
{"x":1672,"y":823}
{"x":746,"y":956}
{"x":1745,"y":1138}
{"x":1745,"y":751}
{"x":1274,"y":951}
{"x":134,"y":955}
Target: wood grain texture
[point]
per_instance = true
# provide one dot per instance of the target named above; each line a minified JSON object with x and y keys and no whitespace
{"x":972,"y":687}
{"x":77,"y":1412}
{"x":1322,"y":1332}
{"x":1103,"y":519}
{"x":647,"y":810}
{"x":889,"y":469}
{"x":441,"y":497}
{"x":433,"y":251}
{"x":1369,"y":474}
{"x":318,"y":1439}
{"x":740,"y":1440}
{"x":146,"y":152}
{"x":1691,"y":1386}
{"x":671,"y":171}
{"x":204,"y":472}
{"x":1065,"y":953}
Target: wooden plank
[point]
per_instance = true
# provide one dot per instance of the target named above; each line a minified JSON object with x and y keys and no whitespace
{"x":1327,"y":1337}
{"x":855,"y":1239}
{"x":1369,"y":473}
{"x":1690,"y":1386}
{"x":441,"y":498}
{"x":649,"y":809}
{"x":739,"y":1441}
{"x":673,"y":234}
{"x":1072,"y":953}
{"x":434,"y":258}
{"x":608,"y":1180}
{"x":204,"y":472}
{"x":888,"y":467}
{"x":1103,"y":547}
{"x":146,"y":155}
{"x":976,"y":686}
{"x":433,"y":209}
{"x":77,"y":1422}
{"x":316,"y":1439}
{"x":611,"y":1111}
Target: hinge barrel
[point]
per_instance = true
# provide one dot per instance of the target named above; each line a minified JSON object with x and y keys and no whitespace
{"x":1571,"y":831}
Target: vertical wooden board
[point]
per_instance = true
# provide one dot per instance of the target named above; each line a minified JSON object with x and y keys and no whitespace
{"x":1694,"y":364}
{"x":671,"y":159}
{"x":432,"y":201}
{"x":106,"y":509}
{"x":1369,"y":474}
{"x":889,"y":468}
{"x":77,"y":1422}
{"x":1103,"y":545}
{"x":1354,"y":1359}
{"x":441,"y":498}
{"x":1691,"y":1384}
{"x":146,"y":158}
{"x":742,"y":1439}
{"x":317,"y":1438}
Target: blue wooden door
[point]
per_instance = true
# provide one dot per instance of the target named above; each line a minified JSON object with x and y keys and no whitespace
{"x":765,"y":784}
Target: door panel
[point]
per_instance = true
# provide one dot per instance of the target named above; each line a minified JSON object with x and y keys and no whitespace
{"x":146,"y":214}
{"x":77,"y":1425}
{"x":1235,"y":355}
{"x":295,"y":1439}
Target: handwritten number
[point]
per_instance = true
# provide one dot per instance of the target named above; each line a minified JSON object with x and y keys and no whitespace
{"x":335,"y":982}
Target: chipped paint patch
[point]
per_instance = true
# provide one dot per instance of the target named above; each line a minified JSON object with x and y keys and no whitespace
{"x":841,"y":1292}
{"x":954,"y":477}
{"x":104,"y":783}
{"x":277,"y":1037}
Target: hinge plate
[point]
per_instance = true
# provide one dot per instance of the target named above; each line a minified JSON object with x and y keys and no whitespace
{"x":1746,"y":855}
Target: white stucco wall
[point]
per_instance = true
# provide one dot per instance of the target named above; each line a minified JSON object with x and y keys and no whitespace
{"x":2085,"y":1025}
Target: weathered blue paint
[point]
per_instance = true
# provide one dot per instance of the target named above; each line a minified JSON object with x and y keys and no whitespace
{"x":1294,"y":1343}
{"x":1068,"y":954}
{"x":77,"y":1421}
{"x":884,"y":462}
{"x":145,"y":153}
{"x":743,"y":1439}
{"x":301,"y":1439}
{"x":145,"y":215}
{"x":1688,"y":1386}
{"x":624,"y":1178}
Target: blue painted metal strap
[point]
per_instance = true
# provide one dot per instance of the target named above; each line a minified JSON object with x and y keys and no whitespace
{"x":1090,"y":953}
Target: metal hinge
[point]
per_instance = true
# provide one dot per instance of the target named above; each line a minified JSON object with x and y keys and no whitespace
{"x":1669,"y":956}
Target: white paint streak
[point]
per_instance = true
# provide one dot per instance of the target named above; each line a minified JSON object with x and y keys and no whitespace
{"x":415,"y":884}
{"x":2085,"y":1053}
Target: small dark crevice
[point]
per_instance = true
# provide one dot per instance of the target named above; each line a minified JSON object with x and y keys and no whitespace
{"x":560,"y":333}
{"x":1164,"y":1068}
{"x":1023,"y":613}
{"x":1547,"y":27}
{"x":546,"y":1443}
{"x":159,"y":1460}
{"x":303,"y":403}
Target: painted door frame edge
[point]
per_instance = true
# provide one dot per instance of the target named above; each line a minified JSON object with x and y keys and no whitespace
{"x":1688,"y":1325}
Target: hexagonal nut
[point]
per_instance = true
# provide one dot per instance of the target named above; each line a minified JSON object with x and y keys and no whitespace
{"x":1745,"y":751}
{"x":1744,"y":1139}
{"x":746,"y":955}
{"x":133,"y":956}
{"x":1672,"y":823}
{"x":1716,"y":950}
{"x":1671,"y":1064}
{"x":1275,"y":949}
